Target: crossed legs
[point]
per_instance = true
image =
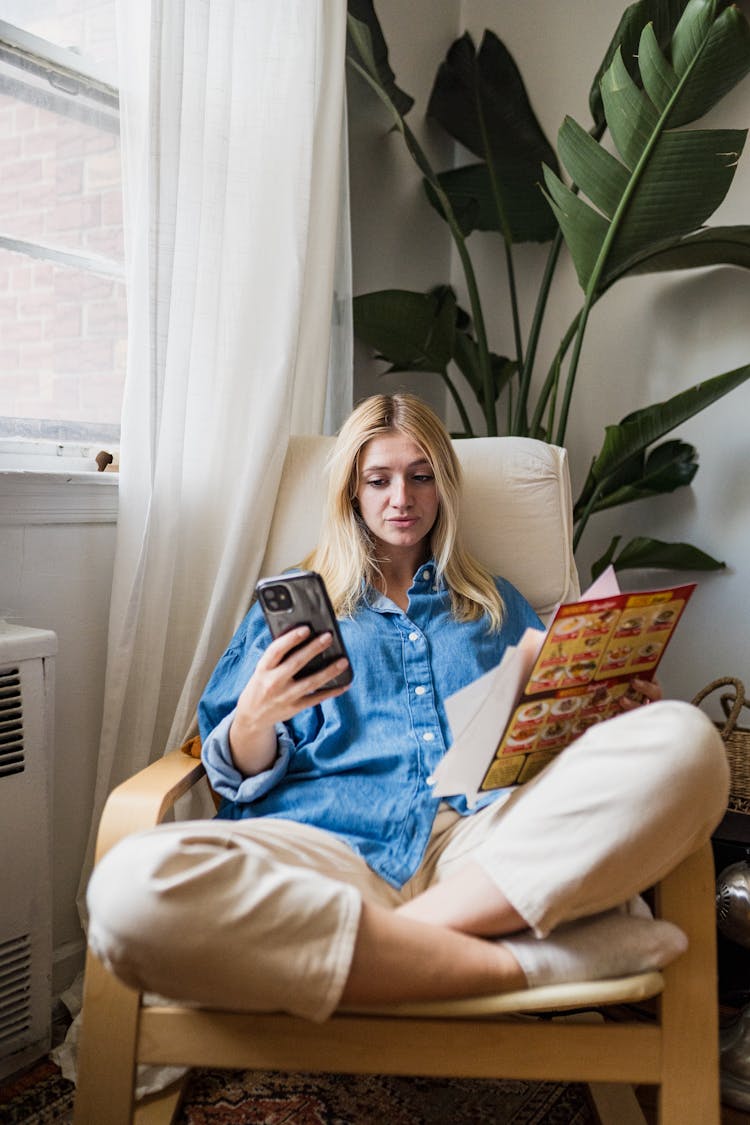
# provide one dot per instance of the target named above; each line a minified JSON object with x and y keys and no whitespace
{"x":273,"y":915}
{"x":611,"y":816}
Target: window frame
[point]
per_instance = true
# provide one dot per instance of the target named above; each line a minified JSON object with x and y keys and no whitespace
{"x":71,"y":73}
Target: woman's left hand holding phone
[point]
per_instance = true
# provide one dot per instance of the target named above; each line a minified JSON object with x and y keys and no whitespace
{"x":272,"y":695}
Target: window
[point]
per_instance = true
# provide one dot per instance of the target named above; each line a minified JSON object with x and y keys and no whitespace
{"x":63,"y":323}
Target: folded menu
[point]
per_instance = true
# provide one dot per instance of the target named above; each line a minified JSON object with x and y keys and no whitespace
{"x":553,"y":685}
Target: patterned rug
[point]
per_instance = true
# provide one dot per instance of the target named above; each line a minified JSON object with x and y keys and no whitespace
{"x":40,"y":1096}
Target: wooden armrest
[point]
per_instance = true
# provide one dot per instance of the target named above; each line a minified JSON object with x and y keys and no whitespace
{"x":142,"y":801}
{"x":681,"y":896}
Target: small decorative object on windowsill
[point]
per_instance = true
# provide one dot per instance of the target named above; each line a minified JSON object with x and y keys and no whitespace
{"x":107,"y":462}
{"x":736,"y":739}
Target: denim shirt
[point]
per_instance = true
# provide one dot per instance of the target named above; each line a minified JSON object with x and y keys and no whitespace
{"x":357,"y":765}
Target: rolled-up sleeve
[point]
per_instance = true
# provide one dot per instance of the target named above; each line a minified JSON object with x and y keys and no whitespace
{"x":224,"y":776}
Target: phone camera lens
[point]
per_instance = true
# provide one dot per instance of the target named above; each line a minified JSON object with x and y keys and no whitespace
{"x":277,"y":599}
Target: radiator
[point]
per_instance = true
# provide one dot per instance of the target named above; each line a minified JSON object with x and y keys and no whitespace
{"x":27,"y":669}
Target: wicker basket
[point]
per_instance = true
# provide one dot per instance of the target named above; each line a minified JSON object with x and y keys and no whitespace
{"x":736,"y":739}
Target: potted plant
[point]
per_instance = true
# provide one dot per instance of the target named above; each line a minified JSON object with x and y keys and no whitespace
{"x":637,"y":206}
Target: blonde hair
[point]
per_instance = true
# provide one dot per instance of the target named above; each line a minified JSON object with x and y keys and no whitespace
{"x":345,"y":554}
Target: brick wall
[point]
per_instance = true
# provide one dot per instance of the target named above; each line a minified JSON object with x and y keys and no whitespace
{"x":62,"y":330}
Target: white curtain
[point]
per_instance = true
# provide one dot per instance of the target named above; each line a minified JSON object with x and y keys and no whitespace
{"x":234,"y":175}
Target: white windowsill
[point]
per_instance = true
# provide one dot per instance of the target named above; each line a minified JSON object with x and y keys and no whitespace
{"x":43,"y":454}
{"x":33,"y":497}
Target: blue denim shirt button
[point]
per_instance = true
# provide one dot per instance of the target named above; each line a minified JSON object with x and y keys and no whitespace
{"x":413,"y":636}
{"x":428,"y":736}
{"x":427,"y":575}
{"x":420,"y":689}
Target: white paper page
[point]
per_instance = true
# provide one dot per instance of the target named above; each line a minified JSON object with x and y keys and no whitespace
{"x":478,"y":715}
{"x":605,"y":586}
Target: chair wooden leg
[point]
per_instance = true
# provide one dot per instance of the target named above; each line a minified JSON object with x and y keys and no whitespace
{"x":161,"y":1108}
{"x":616,"y":1104}
{"x":689,"y":1091}
{"x":106,"y":1058}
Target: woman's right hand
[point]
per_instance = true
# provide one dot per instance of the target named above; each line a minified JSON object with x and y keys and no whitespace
{"x":272,"y":695}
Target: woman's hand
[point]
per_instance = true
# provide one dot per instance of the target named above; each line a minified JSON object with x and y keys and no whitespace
{"x":272,"y":695}
{"x":640,"y":692}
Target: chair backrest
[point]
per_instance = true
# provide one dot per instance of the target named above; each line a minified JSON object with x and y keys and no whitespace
{"x":516,"y":513}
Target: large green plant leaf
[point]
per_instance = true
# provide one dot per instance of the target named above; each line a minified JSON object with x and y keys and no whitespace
{"x":713,"y":55}
{"x":624,"y":444}
{"x":470,"y":191}
{"x":655,"y":553}
{"x":412,"y":331}
{"x":361,"y":57}
{"x":466,"y":357}
{"x":663,"y":14}
{"x":712,"y":246}
{"x":364,"y":12}
{"x":480,"y":99}
{"x":424,"y":332}
{"x":666,"y":182}
{"x":684,"y":181}
{"x":667,"y":467}
{"x":642,"y":428}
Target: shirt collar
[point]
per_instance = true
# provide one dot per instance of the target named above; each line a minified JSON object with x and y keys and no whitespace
{"x":422,"y":583}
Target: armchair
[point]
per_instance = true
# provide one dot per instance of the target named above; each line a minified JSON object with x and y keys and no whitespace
{"x":518,"y":522}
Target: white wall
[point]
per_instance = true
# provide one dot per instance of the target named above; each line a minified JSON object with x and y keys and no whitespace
{"x":57,"y":537}
{"x":647,"y":339}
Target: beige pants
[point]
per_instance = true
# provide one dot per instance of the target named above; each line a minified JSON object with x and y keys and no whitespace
{"x":263,"y":914}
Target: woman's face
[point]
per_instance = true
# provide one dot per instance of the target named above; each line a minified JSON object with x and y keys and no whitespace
{"x":397,"y":496}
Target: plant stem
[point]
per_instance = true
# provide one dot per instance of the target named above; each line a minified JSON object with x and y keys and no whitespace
{"x":584,"y":517}
{"x":551,"y":381}
{"x":582,"y":321}
{"x":514,"y":304}
{"x":519,"y":424}
{"x":553,"y":396}
{"x":468,"y":430}
{"x":597,"y":132}
{"x":488,"y":388}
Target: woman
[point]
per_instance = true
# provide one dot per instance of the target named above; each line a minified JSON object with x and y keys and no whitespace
{"x":333,"y":875}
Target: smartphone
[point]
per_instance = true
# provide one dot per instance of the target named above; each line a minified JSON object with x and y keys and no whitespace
{"x":300,"y":598}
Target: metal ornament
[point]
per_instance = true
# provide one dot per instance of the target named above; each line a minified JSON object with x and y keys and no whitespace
{"x":733,"y":902}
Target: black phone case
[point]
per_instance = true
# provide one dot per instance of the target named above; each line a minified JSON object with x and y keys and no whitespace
{"x":310,"y":606}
